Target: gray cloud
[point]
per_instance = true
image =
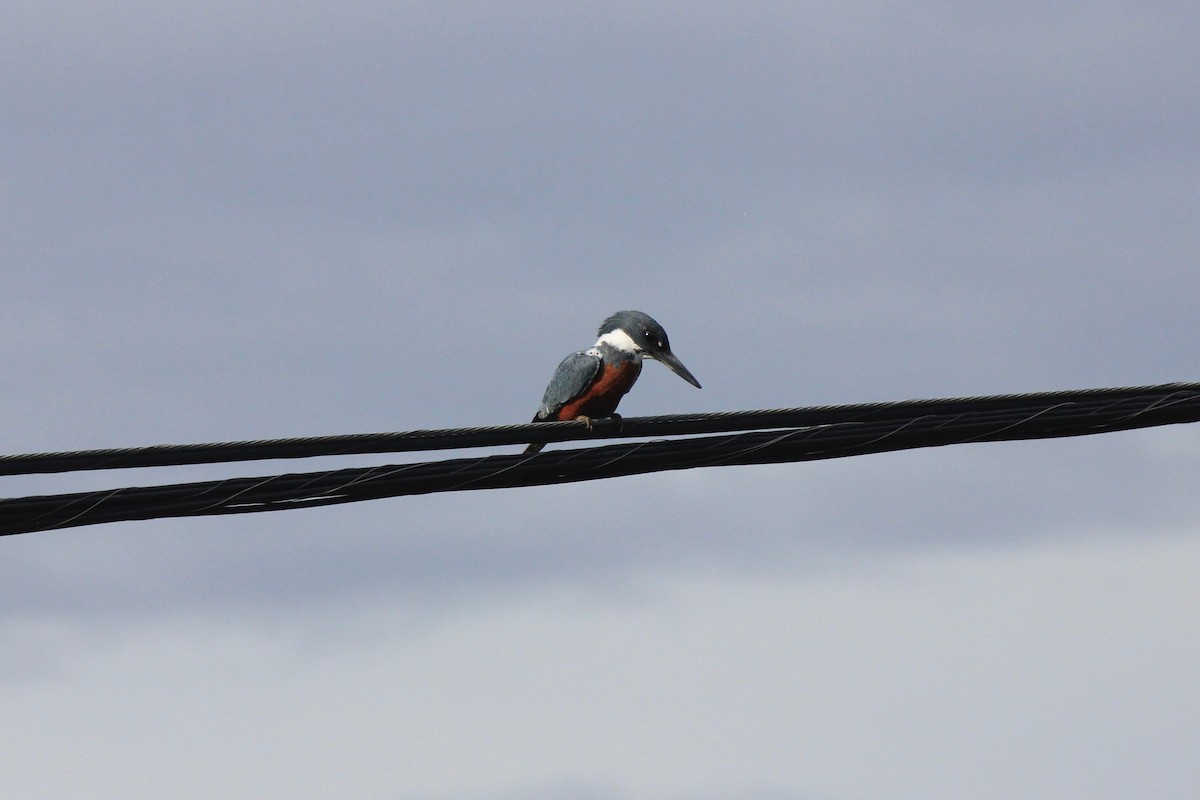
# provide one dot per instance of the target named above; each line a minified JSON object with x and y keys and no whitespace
{"x":238,"y":222}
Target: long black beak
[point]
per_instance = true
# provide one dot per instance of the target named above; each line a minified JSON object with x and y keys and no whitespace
{"x":676,"y":366}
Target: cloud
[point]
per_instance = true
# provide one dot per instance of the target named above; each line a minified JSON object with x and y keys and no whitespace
{"x":235,"y":221}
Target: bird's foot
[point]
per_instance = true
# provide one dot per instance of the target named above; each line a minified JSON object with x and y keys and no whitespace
{"x":590,"y":422}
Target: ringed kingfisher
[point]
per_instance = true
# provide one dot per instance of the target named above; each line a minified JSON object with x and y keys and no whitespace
{"x":589,"y":384}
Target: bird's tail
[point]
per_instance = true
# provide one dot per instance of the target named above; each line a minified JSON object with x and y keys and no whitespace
{"x":536,"y":446}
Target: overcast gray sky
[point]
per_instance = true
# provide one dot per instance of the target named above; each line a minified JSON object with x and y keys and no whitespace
{"x":251,"y":220}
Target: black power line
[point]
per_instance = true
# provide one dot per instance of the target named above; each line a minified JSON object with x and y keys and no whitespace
{"x":858,"y":430}
{"x":503,"y":435}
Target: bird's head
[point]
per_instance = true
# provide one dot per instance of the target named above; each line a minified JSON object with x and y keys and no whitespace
{"x":637,"y":332}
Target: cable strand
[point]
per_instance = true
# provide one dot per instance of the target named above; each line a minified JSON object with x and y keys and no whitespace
{"x":881,"y":429}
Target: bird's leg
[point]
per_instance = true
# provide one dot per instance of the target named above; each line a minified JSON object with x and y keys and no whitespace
{"x":591,"y":423}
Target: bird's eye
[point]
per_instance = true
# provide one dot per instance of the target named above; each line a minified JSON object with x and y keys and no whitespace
{"x":647,"y":335}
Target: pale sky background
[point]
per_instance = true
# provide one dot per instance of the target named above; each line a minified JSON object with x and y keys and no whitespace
{"x":233,"y":220}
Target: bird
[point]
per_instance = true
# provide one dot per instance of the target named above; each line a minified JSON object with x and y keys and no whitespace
{"x":590,"y":383}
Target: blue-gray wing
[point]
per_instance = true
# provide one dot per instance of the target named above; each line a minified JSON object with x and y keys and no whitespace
{"x":572,"y":378}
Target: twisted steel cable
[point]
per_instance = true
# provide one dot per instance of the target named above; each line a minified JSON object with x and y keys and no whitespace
{"x":829,"y":432}
{"x":546,"y":432}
